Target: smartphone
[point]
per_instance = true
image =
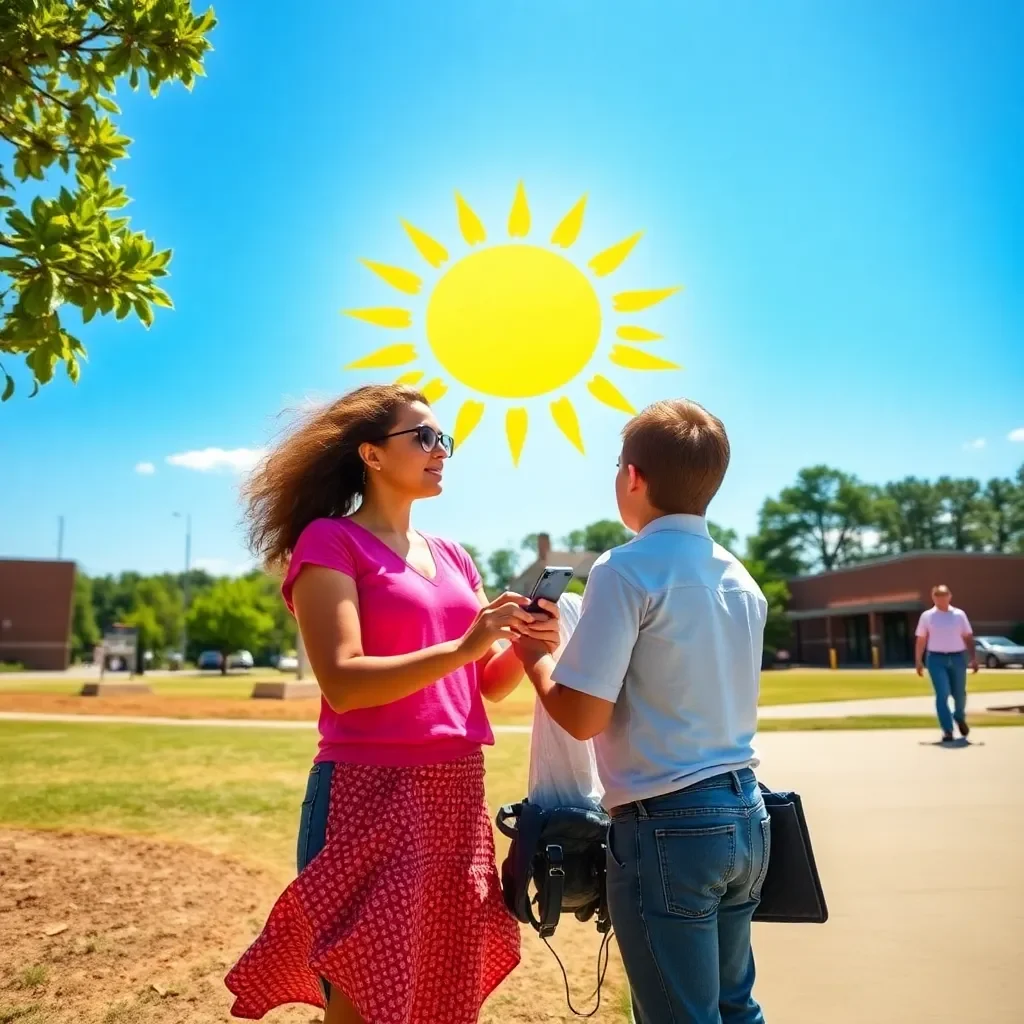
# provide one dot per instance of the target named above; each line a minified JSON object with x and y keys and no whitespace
{"x":551,"y":586}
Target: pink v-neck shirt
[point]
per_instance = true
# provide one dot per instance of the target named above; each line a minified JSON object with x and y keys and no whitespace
{"x":400,"y":611}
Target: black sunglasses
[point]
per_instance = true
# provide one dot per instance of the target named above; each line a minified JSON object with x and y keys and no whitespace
{"x":429,"y":439}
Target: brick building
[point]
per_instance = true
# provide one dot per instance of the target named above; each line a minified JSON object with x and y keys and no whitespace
{"x":36,"y":599}
{"x":878,"y":603}
{"x":581,"y":562}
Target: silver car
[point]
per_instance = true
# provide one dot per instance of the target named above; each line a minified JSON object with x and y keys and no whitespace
{"x":998,"y":651}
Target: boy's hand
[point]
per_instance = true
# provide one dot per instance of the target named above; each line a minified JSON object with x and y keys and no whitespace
{"x":540,"y":636}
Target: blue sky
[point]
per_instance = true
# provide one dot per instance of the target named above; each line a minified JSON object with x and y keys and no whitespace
{"x":837,"y":186}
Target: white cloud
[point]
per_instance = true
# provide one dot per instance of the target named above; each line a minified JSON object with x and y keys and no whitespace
{"x":212,"y":460}
{"x":145,"y":468}
{"x":1017,"y":435}
{"x":974,"y":446}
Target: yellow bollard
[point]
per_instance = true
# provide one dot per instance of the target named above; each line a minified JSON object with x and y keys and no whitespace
{"x":876,"y":659}
{"x":833,"y":659}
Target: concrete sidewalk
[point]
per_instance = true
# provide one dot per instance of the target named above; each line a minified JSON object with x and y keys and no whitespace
{"x":919,"y":850}
{"x":888,"y":706}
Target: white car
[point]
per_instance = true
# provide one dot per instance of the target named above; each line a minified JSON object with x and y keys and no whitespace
{"x":288,"y":663}
{"x":240,"y":659}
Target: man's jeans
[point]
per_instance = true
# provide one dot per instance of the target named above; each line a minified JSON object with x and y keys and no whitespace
{"x":684,"y":877}
{"x":949,"y":678}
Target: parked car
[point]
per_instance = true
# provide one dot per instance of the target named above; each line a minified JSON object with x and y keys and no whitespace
{"x":240,"y":659}
{"x":288,"y":663}
{"x":209,"y":659}
{"x":998,"y":651}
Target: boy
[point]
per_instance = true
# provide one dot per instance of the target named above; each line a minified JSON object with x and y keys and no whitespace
{"x":663,"y":671}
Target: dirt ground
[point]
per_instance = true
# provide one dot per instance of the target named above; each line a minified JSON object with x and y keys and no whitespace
{"x":154,"y":705}
{"x":111,"y":930}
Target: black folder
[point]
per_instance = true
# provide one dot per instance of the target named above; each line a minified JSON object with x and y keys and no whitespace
{"x":792,"y":891}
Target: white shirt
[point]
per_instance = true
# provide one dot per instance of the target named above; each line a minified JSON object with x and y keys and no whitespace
{"x":671,"y":631}
{"x":945,"y":630}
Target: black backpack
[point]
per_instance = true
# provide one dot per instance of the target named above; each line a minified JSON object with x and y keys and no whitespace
{"x":561,"y":851}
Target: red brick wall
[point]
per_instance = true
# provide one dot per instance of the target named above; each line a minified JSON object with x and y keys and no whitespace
{"x":990,"y":588}
{"x":35,"y":612}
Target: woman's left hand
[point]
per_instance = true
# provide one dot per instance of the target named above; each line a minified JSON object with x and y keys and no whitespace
{"x":541,"y":633}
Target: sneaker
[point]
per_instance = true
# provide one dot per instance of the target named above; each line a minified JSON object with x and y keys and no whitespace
{"x":963,"y":727}
{"x":947,"y":737}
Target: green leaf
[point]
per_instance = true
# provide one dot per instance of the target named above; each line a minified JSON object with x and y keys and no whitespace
{"x":5,"y":201}
{"x":144,"y":312}
{"x":35,"y":389}
{"x":124,"y":307}
{"x":8,"y":388}
{"x":73,"y":369}
{"x":36,"y":298}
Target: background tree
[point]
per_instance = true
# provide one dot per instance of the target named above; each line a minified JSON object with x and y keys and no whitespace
{"x":604,"y":535}
{"x":575,"y":540}
{"x":907,"y":516}
{"x":59,"y":65}
{"x":85,"y":633}
{"x":284,"y":636}
{"x":818,"y":521}
{"x":233,"y":615}
{"x":502,"y":567}
{"x":728,"y":539}
{"x":777,"y":630}
{"x":962,"y":513}
{"x":1002,"y":514}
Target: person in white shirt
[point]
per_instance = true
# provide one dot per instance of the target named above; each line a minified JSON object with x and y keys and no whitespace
{"x":945,"y":643}
{"x":663,"y":671}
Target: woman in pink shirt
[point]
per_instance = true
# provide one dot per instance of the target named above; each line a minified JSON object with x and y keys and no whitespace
{"x":397,"y":915}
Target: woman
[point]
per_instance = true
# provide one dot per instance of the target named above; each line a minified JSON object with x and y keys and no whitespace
{"x":397,"y":914}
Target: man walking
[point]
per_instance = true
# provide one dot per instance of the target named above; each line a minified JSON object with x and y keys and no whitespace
{"x":944,"y":632}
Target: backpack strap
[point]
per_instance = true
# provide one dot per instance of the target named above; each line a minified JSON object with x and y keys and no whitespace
{"x":549,"y":892}
{"x":510,"y":812}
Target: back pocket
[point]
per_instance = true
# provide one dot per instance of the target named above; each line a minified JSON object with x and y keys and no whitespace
{"x":696,"y":865}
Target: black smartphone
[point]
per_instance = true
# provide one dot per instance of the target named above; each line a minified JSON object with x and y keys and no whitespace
{"x":551,"y":586}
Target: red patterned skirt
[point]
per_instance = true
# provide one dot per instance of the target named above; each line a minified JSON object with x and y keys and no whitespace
{"x":402,"y":908}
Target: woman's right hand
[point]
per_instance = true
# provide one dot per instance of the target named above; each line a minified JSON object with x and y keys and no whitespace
{"x":495,"y":622}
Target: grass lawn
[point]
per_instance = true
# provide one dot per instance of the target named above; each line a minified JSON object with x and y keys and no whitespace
{"x":231,"y":791}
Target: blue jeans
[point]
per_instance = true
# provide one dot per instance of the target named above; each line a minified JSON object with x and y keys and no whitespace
{"x":684,"y":878}
{"x":949,"y":679}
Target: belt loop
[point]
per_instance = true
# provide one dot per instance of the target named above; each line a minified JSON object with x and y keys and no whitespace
{"x":736,"y":784}
{"x":641,"y":811}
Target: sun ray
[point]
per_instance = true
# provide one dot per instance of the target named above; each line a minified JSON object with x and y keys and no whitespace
{"x":638,"y":359}
{"x":519,"y":218}
{"x":564,"y":415}
{"x":429,"y":248}
{"x":411,"y":378}
{"x":632,"y":302}
{"x":629,"y":332}
{"x":470,"y":415}
{"x":569,"y":228}
{"x":391,"y":355}
{"x":614,"y":256}
{"x":515,"y":430}
{"x":402,"y":280}
{"x":470,"y":225}
{"x":382,"y":316}
{"x":605,"y":391}
{"x":434,"y":390}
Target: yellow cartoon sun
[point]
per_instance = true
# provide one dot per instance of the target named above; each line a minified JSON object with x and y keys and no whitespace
{"x":514,"y":321}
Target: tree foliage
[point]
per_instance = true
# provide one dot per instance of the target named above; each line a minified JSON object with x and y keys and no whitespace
{"x":59,"y":66}
{"x":234,"y":614}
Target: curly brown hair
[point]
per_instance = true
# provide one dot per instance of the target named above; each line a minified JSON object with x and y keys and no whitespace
{"x":316,"y":470}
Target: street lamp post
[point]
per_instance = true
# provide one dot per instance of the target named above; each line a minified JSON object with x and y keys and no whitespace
{"x":184,"y":585}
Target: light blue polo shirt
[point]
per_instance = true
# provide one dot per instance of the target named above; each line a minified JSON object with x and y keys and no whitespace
{"x":671,"y":631}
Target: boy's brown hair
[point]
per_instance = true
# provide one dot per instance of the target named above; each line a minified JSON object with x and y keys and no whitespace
{"x":681,"y":450}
